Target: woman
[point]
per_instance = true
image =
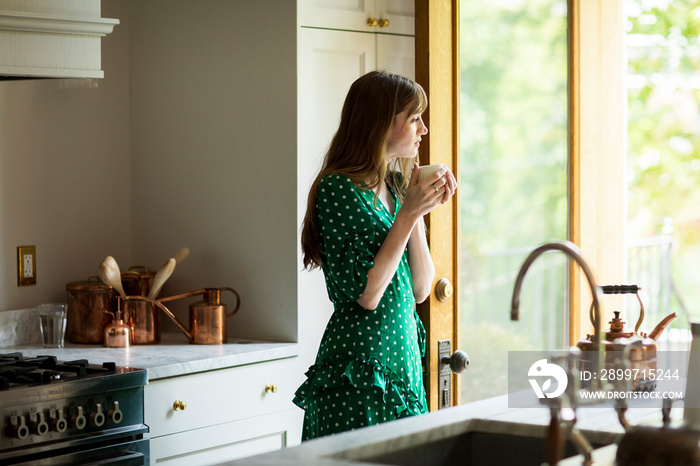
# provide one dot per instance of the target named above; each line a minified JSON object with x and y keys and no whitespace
{"x":364,"y":227}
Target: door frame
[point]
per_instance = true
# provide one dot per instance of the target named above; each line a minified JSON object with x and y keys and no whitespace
{"x":437,"y":70}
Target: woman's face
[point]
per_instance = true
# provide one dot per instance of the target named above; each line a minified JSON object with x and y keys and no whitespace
{"x":405,"y":135}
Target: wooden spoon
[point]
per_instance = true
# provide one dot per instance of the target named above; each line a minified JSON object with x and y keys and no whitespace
{"x":161,"y":276}
{"x":111,"y":275}
{"x":181,"y":254}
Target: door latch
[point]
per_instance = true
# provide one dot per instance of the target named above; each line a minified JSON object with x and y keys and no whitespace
{"x":458,"y":362}
{"x":444,"y":374}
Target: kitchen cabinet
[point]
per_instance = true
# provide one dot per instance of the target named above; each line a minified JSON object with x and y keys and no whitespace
{"x":336,"y":47}
{"x":339,"y":25}
{"x":220,"y":415}
{"x":392,"y":16}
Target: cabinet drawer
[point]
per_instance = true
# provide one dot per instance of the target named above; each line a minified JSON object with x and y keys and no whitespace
{"x":229,"y":441}
{"x":219,"y":396}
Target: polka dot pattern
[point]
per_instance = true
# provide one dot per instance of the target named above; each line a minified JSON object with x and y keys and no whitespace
{"x":368,"y":368}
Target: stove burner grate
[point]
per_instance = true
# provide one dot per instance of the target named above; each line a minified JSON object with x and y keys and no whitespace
{"x":16,"y":370}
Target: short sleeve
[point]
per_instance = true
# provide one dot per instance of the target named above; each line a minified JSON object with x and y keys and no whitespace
{"x":347,"y":235}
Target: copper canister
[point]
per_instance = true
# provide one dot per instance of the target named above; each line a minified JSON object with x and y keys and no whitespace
{"x":87,"y":302}
{"x":144,"y":320}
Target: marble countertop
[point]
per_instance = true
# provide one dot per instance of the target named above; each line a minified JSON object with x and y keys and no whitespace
{"x":598,"y":424}
{"x":172,"y":357}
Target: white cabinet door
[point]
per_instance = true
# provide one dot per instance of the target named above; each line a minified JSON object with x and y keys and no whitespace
{"x":400,"y":14}
{"x":329,"y":62}
{"x":337,"y":14}
{"x":352,"y":15}
{"x":397,"y":54}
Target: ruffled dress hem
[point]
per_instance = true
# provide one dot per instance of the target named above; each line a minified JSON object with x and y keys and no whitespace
{"x":361,"y":373}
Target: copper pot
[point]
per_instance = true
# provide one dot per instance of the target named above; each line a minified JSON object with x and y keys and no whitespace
{"x":137,"y":280}
{"x":143,"y":318}
{"x":87,"y":302}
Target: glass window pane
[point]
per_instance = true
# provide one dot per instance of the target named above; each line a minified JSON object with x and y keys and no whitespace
{"x":663,"y":160}
{"x":513,"y":182}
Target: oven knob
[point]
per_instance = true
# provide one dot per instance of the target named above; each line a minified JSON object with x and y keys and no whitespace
{"x":78,"y":419}
{"x":97,"y":418}
{"x":19,"y":427}
{"x":115,"y":414}
{"x":41,"y":427}
{"x":58,"y":422}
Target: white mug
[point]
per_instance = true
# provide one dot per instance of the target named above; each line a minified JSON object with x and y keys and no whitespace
{"x":427,"y":170}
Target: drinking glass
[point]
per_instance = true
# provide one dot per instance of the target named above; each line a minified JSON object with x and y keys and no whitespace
{"x":52,"y":322}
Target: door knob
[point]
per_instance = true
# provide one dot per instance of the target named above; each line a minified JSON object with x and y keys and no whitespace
{"x":459,"y":361}
{"x":443,"y":290}
{"x":371,"y":22}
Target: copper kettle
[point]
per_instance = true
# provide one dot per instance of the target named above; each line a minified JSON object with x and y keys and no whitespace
{"x":643,"y":354}
{"x":207,"y":317}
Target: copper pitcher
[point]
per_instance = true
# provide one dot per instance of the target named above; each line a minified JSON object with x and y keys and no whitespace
{"x":207,"y":317}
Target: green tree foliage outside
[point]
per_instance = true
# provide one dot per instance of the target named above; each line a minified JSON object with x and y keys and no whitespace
{"x":513,"y":183}
{"x":513,"y":162}
{"x":664,"y":133}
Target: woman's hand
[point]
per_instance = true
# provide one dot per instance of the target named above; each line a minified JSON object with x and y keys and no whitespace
{"x":408,"y":231}
{"x":422,"y":196}
{"x":448,"y":183}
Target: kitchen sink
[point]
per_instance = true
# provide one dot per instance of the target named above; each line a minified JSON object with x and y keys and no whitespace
{"x":477,"y":442}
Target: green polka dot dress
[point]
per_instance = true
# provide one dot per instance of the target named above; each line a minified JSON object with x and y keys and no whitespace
{"x":368,"y":369}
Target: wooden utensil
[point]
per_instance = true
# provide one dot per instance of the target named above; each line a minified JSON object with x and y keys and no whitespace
{"x":111,"y":275}
{"x":161,"y":276}
{"x":180,"y":255}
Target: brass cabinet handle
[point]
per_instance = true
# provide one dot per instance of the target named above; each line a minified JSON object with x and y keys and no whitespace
{"x":371,"y":22}
{"x":179,"y":405}
{"x":383,"y":22}
{"x":443,"y":290}
{"x":270,"y":388}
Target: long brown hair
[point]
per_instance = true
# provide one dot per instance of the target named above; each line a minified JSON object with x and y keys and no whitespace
{"x":358,"y":149}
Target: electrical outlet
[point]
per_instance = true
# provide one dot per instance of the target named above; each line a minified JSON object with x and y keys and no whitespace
{"x":26,"y":265}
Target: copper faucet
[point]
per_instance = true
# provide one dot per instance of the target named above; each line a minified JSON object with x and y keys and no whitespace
{"x":571,"y":250}
{"x":555,"y":438}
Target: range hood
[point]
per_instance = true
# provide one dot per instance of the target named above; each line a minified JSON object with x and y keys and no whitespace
{"x":52,"y":38}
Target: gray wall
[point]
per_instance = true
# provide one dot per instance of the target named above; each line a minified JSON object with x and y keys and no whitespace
{"x":65,"y":174}
{"x":214,"y":151}
{"x":190,"y":140}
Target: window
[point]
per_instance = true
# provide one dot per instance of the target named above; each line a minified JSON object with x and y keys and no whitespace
{"x":513,"y":181}
{"x":663,"y":158}
{"x":565,"y":91}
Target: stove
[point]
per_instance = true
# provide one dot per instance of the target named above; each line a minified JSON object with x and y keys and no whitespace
{"x":71,"y":412}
